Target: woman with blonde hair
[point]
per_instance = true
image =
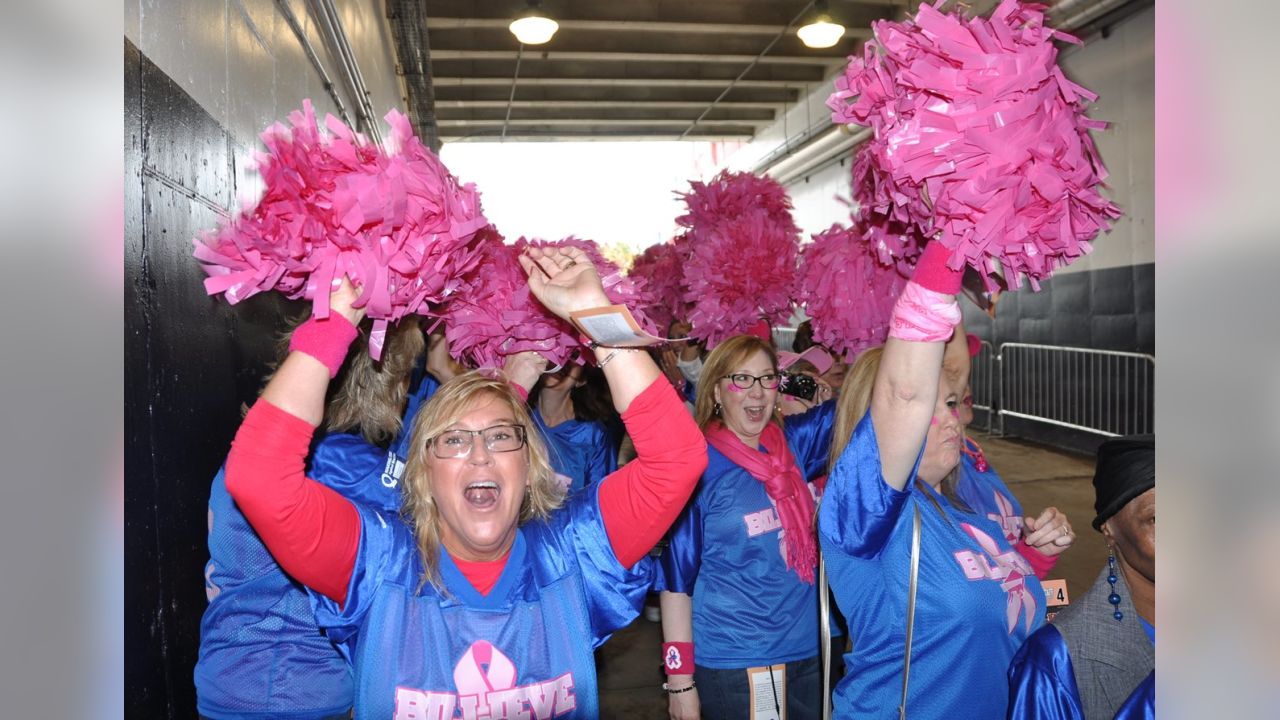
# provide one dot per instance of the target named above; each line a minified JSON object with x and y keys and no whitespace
{"x":261,"y":652}
{"x":488,"y":597}
{"x":933,"y":593}
{"x":738,"y":576}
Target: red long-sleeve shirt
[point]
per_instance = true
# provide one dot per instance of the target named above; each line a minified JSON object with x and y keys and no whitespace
{"x":314,"y":533}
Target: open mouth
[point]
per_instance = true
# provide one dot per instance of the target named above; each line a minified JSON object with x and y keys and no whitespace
{"x":755,"y":413}
{"x":482,"y":495}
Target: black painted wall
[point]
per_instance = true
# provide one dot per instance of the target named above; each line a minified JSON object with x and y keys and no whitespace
{"x":190,"y":360}
{"x":1110,"y":309}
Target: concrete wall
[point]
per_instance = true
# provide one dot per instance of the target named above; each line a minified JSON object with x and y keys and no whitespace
{"x":201,"y":80}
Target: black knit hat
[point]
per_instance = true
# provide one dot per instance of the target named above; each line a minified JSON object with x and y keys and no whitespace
{"x":1126,"y":469}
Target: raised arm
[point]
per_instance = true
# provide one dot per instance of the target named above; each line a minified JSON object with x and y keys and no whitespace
{"x":311,"y":530}
{"x":906,"y":386}
{"x":639,"y":502}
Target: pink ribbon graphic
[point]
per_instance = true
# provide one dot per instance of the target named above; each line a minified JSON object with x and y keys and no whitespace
{"x":482,"y":670}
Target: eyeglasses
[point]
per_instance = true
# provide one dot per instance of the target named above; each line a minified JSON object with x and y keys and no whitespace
{"x":745,"y":381}
{"x":458,"y":443}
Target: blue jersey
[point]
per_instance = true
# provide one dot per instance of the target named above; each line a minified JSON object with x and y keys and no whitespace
{"x":985,"y":493}
{"x":261,"y":653}
{"x":524,"y":650}
{"x":582,"y":451}
{"x":978,"y":599}
{"x":727,"y":550}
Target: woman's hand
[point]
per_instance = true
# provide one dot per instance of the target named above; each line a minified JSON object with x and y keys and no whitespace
{"x":524,"y":369}
{"x":563,"y":279}
{"x":1050,"y":534}
{"x":342,"y":297}
{"x":439,"y":362}
{"x":685,"y":705}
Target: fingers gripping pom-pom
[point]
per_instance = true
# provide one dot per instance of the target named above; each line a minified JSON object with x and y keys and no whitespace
{"x":621,"y":289}
{"x":743,"y":264}
{"x":495,"y":315}
{"x":397,"y":224}
{"x":980,"y":140}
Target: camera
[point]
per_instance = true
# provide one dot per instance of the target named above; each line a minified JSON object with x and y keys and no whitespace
{"x":798,"y":385}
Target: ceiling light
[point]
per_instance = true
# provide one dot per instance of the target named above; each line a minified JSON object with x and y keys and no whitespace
{"x":533,"y":27}
{"x":821,"y":31}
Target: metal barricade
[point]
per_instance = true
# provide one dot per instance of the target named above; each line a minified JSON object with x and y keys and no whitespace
{"x":982,"y":382}
{"x":1106,"y":392}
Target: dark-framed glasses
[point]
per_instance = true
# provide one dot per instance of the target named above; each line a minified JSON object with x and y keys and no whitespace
{"x":458,"y":443}
{"x":744,"y":381}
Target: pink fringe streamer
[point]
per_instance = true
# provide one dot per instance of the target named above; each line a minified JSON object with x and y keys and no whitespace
{"x":661,"y":270}
{"x":980,"y":140}
{"x":743,"y":262}
{"x":848,"y":292}
{"x":496,"y":315}
{"x":397,"y":224}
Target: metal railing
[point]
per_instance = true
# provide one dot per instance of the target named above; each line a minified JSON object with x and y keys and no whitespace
{"x":982,"y":382}
{"x":1106,"y":392}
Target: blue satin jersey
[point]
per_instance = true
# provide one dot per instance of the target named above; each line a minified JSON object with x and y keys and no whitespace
{"x":583,"y":452}
{"x":977,"y":602}
{"x":261,"y":653}
{"x":1042,"y":683}
{"x":524,"y":650}
{"x":726,"y":551}
{"x":987,"y":495}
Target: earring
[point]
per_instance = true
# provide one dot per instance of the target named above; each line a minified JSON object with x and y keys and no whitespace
{"x":716,"y":410}
{"x":1113,"y":598}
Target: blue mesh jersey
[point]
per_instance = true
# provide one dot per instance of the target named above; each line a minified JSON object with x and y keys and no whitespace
{"x":261,"y":653}
{"x":584,"y":452}
{"x":977,"y":602}
{"x":727,"y":552}
{"x":981,"y":488}
{"x":524,"y":650}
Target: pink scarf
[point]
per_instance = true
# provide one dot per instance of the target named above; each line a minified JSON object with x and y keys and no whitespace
{"x":782,"y":481}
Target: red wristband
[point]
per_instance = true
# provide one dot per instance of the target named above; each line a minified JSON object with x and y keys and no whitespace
{"x":933,"y":273}
{"x":325,"y":340}
{"x":677,"y":658}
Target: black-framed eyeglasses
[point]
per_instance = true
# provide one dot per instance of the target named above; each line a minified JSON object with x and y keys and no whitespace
{"x":452,"y":444}
{"x":744,"y":381}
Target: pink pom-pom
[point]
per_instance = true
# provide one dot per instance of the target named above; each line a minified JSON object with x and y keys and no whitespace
{"x":661,"y":270}
{"x":848,"y":293}
{"x":496,"y":315}
{"x":743,"y":264}
{"x":620,"y":289}
{"x":980,"y":140}
{"x":399,"y":226}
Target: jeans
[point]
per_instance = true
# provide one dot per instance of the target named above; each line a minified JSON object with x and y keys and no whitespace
{"x":726,"y":694}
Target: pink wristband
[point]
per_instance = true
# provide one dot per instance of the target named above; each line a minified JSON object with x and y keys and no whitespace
{"x":922,"y":315}
{"x":1040,"y":563}
{"x":932,"y":271}
{"x":520,"y":390}
{"x":677,"y":658}
{"x":325,"y":340}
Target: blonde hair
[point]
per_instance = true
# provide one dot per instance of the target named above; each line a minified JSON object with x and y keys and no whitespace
{"x":449,"y":403}
{"x":728,"y":355}
{"x":367,"y":395}
{"x":370,"y":393}
{"x":855,"y":403}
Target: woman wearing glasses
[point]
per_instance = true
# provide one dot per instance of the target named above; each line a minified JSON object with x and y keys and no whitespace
{"x":488,"y":597}
{"x":739,"y":607}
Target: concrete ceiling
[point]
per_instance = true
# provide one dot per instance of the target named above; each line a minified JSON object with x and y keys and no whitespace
{"x":630,"y":69}
{"x":652,"y":69}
